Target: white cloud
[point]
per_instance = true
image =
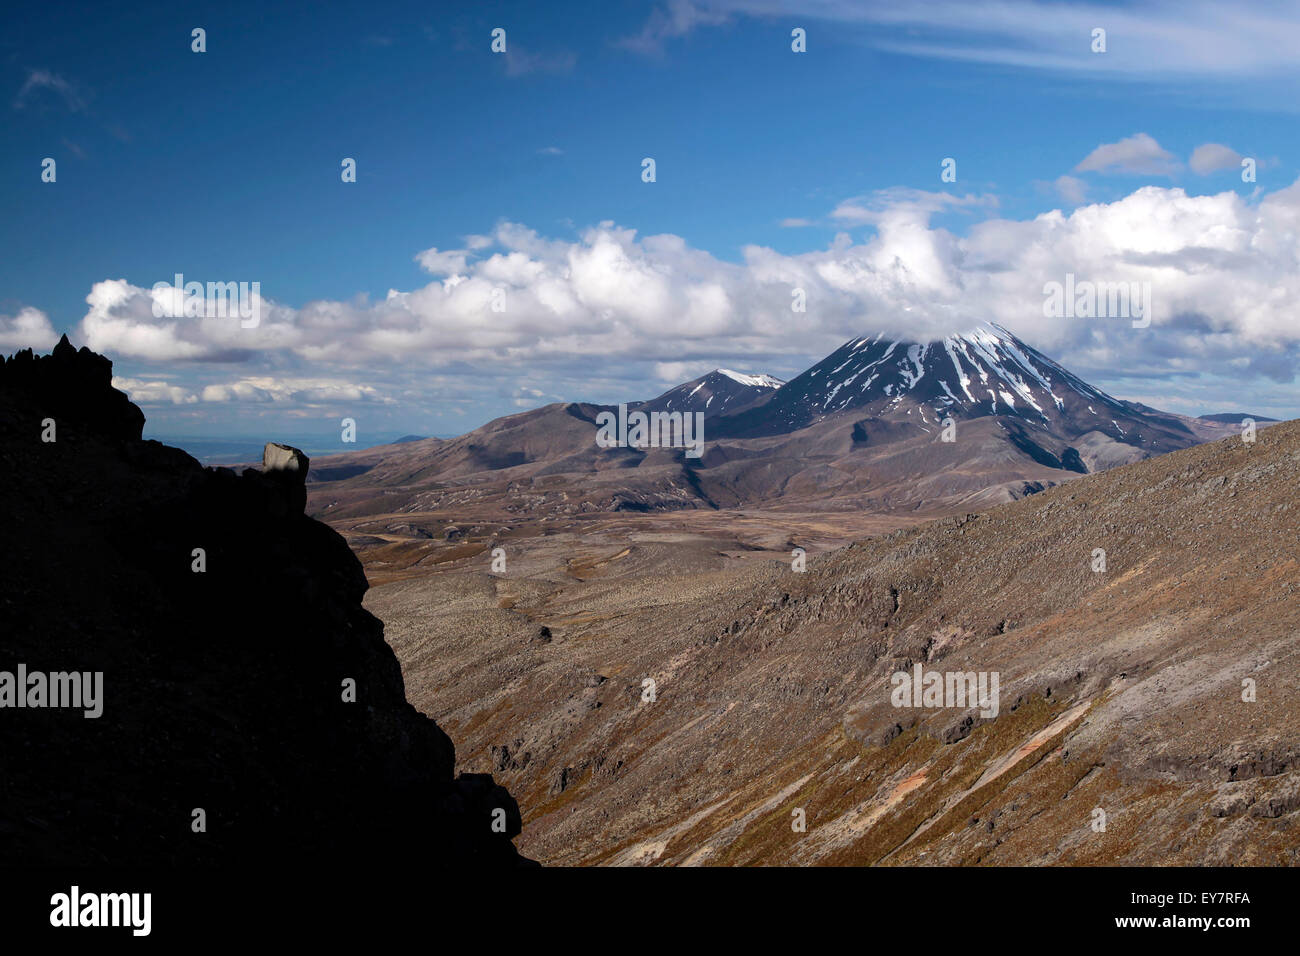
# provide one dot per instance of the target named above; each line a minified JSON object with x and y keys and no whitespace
{"x":1139,"y":154}
{"x":1202,"y":39}
{"x":668,"y":374}
{"x":236,"y":392}
{"x":1213,"y":157}
{"x":30,"y":328}
{"x":255,"y":389}
{"x":121,"y":319}
{"x":525,"y":397}
{"x":154,"y":391}
{"x":1071,"y":189}
{"x":583,"y":317}
{"x":448,"y":263}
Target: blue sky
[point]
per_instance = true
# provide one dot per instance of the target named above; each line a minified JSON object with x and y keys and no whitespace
{"x":772,"y":168}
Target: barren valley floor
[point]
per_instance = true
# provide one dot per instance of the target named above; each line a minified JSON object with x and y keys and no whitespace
{"x":1122,"y":735}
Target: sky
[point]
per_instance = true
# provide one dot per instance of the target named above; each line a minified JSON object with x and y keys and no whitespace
{"x":916,"y":169}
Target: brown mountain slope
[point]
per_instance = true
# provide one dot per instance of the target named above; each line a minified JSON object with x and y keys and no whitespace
{"x":1121,"y":691}
{"x":864,"y":429}
{"x":545,"y":463}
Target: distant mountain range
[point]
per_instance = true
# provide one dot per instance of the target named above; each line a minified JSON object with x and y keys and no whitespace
{"x":878,"y":424}
{"x":1234,"y":418}
{"x":247,"y":451}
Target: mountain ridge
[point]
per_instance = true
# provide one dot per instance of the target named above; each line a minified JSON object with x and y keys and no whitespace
{"x":862,"y":429}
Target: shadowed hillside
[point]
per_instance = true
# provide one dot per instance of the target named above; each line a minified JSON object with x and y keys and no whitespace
{"x":223,"y":689}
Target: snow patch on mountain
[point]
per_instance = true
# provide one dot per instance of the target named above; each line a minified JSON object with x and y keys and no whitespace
{"x":756,"y":381}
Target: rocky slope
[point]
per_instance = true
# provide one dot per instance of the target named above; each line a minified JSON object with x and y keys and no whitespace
{"x":1158,"y":689}
{"x":256,"y":689}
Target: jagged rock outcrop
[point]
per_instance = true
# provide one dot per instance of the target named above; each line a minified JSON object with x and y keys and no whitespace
{"x":285,"y":458}
{"x":75,"y":386}
{"x":287,"y":467}
{"x":241,"y":675}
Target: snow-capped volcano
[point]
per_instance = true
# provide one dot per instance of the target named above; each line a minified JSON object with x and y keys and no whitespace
{"x":864,"y":428}
{"x":722,"y":391}
{"x":987,"y":371}
{"x":984,"y":372}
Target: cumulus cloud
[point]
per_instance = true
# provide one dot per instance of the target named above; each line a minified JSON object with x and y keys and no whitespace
{"x":1213,"y":157}
{"x":1139,"y":154}
{"x":587,"y":315}
{"x":254,"y":390}
{"x":308,"y":391}
{"x":154,"y":391}
{"x":30,"y":328}
{"x":448,"y":263}
{"x":121,"y":319}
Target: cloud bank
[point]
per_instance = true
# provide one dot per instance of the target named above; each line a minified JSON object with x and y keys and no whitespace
{"x":609,"y":309}
{"x":30,"y":328}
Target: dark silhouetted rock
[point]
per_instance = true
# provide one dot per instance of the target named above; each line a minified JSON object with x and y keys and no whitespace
{"x":227,"y":688}
{"x":74,"y":388}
